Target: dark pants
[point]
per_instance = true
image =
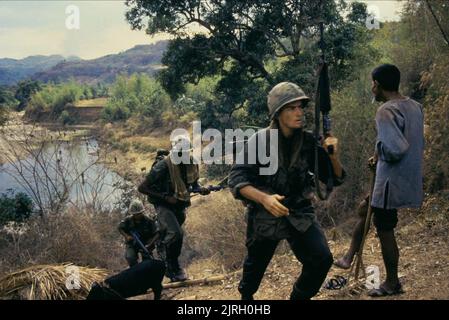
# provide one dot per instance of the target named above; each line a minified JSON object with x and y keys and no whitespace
{"x":170,"y":223}
{"x":132,"y":254}
{"x":310,"y":248}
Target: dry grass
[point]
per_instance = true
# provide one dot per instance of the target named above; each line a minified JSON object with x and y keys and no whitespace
{"x":215,"y":228}
{"x":98,"y":102}
{"x":48,"y":282}
{"x":81,"y":237}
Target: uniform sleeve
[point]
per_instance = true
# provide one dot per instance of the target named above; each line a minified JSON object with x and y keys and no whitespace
{"x":153,"y":179}
{"x":123,"y":226}
{"x":244,"y":174}
{"x":325,"y":169}
{"x":151,"y":226}
{"x":391,"y":144}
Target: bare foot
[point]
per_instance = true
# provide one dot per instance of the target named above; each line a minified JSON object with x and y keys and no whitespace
{"x":343,"y":263}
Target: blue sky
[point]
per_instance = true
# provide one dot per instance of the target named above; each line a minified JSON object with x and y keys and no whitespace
{"x":38,"y":27}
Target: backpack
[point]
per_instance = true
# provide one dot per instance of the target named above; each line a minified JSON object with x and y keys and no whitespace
{"x":160,"y":155}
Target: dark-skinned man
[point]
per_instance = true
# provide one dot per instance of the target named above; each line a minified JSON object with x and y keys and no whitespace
{"x":167,"y":187}
{"x":279,"y":204}
{"x":398,"y":160}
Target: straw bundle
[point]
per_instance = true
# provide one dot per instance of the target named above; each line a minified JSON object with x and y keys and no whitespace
{"x":48,"y":282}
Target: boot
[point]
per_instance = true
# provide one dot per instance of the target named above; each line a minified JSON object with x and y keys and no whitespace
{"x":298,"y":295}
{"x":178,"y":273}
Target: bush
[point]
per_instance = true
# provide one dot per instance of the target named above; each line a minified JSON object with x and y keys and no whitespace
{"x":15,"y":207}
{"x":54,"y":99}
{"x":113,"y":113}
{"x":136,"y":95}
{"x":65,"y":118}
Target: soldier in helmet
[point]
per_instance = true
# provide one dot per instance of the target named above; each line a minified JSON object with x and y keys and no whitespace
{"x":167,"y":187}
{"x":142,"y":226}
{"x":279,"y":204}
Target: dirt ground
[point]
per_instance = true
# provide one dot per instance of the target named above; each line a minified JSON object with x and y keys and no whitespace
{"x":423,"y":239}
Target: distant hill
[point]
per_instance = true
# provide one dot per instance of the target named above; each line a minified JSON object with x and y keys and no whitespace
{"x":14,"y":70}
{"x":141,"y":59}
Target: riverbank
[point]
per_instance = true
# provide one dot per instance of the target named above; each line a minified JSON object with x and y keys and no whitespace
{"x":19,"y":136}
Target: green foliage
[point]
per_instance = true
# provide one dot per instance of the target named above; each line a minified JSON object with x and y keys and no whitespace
{"x":54,"y":98}
{"x":424,"y":70}
{"x":24,"y":92}
{"x":244,"y":42}
{"x":15,"y":207}
{"x":7,"y":103}
{"x":99,"y":91}
{"x":65,"y":118}
{"x":138,"y":94}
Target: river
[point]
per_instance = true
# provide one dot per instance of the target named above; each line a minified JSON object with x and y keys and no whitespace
{"x":74,"y":166}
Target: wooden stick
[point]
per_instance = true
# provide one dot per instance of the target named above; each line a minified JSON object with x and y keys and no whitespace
{"x":359,"y":260}
{"x":194,"y":282}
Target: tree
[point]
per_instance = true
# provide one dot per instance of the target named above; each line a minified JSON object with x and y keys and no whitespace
{"x":136,"y":95}
{"x":239,"y":39}
{"x":6,"y":101}
{"x":24,"y":92}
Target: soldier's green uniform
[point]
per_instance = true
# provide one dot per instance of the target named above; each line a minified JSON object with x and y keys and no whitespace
{"x":158,"y":186}
{"x":145,"y":228}
{"x":293,"y":180}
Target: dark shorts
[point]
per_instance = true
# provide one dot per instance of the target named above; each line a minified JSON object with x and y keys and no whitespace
{"x":385,"y":220}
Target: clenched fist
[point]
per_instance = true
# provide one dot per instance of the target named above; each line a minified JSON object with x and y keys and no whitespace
{"x":331,"y":142}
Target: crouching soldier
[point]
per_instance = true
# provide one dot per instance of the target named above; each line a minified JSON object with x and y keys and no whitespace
{"x":142,"y":227}
{"x":280,"y":204}
{"x":167,"y":187}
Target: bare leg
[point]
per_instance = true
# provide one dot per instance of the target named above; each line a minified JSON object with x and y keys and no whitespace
{"x":390,"y":253}
{"x":357,"y":235}
{"x":346,"y":261}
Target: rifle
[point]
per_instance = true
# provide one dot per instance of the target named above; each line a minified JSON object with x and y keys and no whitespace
{"x":223,"y":184}
{"x":137,"y":240}
{"x":210,"y":188}
{"x":323,"y":105}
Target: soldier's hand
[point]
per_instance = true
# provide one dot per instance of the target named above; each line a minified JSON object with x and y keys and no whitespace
{"x":331,"y":143}
{"x":273,"y":205}
{"x":171,"y":200}
{"x":129,"y":238}
{"x":204,"y":191}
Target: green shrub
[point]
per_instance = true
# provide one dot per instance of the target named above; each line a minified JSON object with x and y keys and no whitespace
{"x":15,"y":207}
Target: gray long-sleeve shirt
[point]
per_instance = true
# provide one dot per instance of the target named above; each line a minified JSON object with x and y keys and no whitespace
{"x":400,"y":147}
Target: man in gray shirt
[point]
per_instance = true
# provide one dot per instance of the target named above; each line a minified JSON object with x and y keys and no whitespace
{"x":398,"y":157}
